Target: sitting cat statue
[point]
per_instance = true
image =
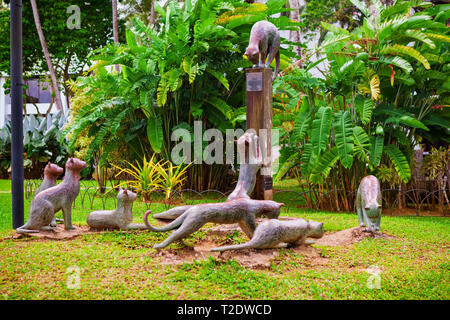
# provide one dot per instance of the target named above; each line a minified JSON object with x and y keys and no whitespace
{"x":51,"y":172}
{"x":119,"y":218}
{"x":264,"y":44}
{"x":368,"y":203}
{"x":60,"y":197}
{"x":276,"y":233}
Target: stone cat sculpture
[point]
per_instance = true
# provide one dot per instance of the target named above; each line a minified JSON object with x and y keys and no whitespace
{"x":276,"y":233}
{"x":264,"y":44}
{"x":119,"y":218}
{"x":51,"y":172}
{"x":249,"y":150}
{"x":368,"y":203}
{"x":241,"y":211}
{"x":47,"y":202}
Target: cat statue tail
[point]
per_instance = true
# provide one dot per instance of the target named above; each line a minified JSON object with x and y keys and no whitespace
{"x":247,"y":245}
{"x":277,"y":65}
{"x":23,"y":229}
{"x":173,"y":225}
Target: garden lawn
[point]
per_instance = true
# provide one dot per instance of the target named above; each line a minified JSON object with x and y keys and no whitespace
{"x":414,"y":264}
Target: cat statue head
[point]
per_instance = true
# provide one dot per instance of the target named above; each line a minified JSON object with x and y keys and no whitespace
{"x":126,"y":195}
{"x":315,"y":229}
{"x":52,"y":170}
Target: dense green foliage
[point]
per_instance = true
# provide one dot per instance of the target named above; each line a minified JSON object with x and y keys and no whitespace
{"x":69,"y":48}
{"x":43,"y":141}
{"x":378,"y":99}
{"x":188,"y":68}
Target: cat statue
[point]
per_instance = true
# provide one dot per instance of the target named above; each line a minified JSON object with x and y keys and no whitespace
{"x":276,"y":233}
{"x":119,"y":218}
{"x":60,"y":197}
{"x":264,"y":44}
{"x":368,"y":203}
{"x":51,"y":173}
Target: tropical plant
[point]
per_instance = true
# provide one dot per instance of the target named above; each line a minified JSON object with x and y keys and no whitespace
{"x":146,"y":177}
{"x":43,"y":141}
{"x":376,"y":100}
{"x":187,"y":68}
{"x":171,"y":177}
{"x":436,"y":165}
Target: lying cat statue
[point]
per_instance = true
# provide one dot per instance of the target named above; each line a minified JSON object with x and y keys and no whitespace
{"x":48,"y":202}
{"x":241,"y":211}
{"x":51,"y":172}
{"x":119,"y":218}
{"x":264,"y":44}
{"x":276,"y":233}
{"x":368,"y":203}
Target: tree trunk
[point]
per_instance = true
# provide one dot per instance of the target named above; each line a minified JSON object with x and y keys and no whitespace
{"x":115,"y":26}
{"x":47,"y":55}
{"x":294,"y":35}
{"x":152,"y":14}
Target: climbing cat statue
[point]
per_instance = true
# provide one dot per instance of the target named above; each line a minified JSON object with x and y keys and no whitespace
{"x":276,"y":233}
{"x":48,"y":202}
{"x":368,"y":203}
{"x":264,"y":44}
{"x":251,"y":159}
{"x":119,"y":218}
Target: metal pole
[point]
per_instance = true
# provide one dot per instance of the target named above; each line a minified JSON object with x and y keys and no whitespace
{"x":16,"y":114}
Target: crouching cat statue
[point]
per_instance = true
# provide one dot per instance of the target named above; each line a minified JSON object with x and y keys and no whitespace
{"x":276,"y":233}
{"x":47,"y":202}
{"x":368,"y":203}
{"x":264,"y":44}
{"x":119,"y":218}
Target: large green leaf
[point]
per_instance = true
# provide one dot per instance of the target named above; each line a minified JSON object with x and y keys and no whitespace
{"x":307,"y":160}
{"x":376,"y":149}
{"x":343,"y":131}
{"x":323,"y":167}
{"x":302,"y":123}
{"x":400,"y":162}
{"x":321,"y":129}
{"x":364,"y":107}
{"x":286,"y":165}
{"x":361,"y":144}
{"x":155,"y":132}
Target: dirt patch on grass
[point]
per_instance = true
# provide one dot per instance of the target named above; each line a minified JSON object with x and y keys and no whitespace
{"x":58,"y":233}
{"x":348,"y":236}
{"x":254,"y":258}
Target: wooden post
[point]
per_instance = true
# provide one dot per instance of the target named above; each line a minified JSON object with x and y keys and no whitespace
{"x":259,"y":116}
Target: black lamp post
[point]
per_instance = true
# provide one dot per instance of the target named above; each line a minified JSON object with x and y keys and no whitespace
{"x":16,"y":114}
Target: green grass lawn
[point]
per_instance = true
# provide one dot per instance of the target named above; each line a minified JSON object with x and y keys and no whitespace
{"x":414,"y":264}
